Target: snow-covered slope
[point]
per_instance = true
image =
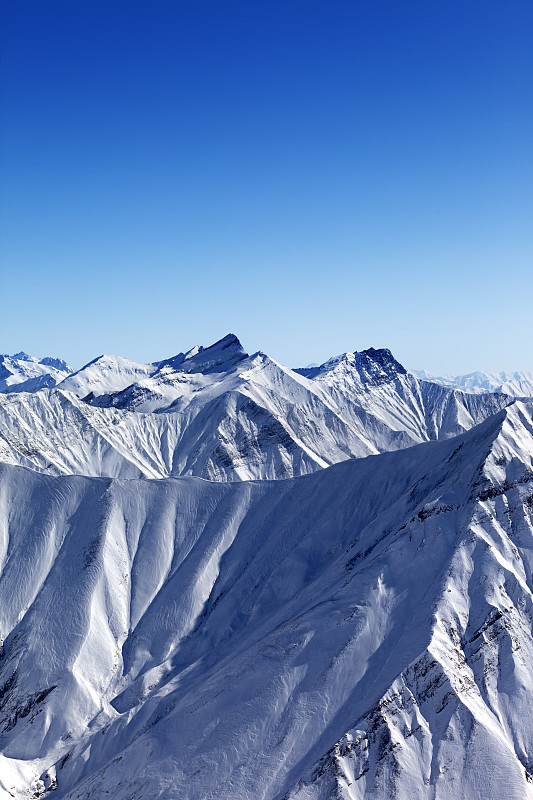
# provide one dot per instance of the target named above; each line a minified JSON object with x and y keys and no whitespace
{"x":104,"y":374}
{"x":373,"y":382}
{"x":220,"y":414}
{"x":24,"y":373}
{"x":361,"y":632}
{"x":517,"y":384}
{"x":119,"y":381}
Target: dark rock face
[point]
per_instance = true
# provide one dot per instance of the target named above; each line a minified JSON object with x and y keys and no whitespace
{"x":57,"y":363}
{"x":378,"y":366}
{"x":374,"y":366}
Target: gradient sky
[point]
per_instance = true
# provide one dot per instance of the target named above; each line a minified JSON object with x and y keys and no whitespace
{"x":316,"y":177}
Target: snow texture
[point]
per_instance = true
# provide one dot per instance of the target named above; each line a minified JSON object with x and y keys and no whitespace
{"x":362,"y":632}
{"x":24,"y":373}
{"x":221,"y":414}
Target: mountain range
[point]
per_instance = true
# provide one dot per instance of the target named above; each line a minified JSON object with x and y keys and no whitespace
{"x":222,"y":414}
{"x":24,"y":373}
{"x":516,"y":384}
{"x":223,"y":579}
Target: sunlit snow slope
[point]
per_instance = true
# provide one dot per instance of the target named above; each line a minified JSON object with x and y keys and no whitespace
{"x":24,"y":373}
{"x":361,"y":632}
{"x":221,"y":414}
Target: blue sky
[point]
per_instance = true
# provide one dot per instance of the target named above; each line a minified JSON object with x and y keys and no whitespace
{"x":314,"y":176}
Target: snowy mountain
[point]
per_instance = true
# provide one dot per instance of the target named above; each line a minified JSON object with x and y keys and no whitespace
{"x":107,"y":376}
{"x":364,"y":632}
{"x":383,"y":388}
{"x":24,"y":373}
{"x":221,"y":414}
{"x":104,"y":374}
{"x":519,"y":384}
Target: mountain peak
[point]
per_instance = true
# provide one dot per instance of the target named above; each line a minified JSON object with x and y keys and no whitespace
{"x":104,"y":374}
{"x":22,"y":356}
{"x":218,"y":357}
{"x":24,"y":373}
{"x":373,"y":366}
{"x":230,"y":340}
{"x":379,"y":363}
{"x":229,"y":343}
{"x":56,"y":363}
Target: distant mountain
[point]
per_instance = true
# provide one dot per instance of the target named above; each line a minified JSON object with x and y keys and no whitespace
{"x":24,"y":373}
{"x":517,"y":384}
{"x":222,"y":414}
{"x":362,"y":633}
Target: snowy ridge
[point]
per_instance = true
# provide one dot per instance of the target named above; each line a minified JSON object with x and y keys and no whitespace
{"x":219,"y":357}
{"x":369,"y":367}
{"x":361,"y":632}
{"x":517,"y":384}
{"x":24,"y":373}
{"x":104,"y":374}
{"x":221,"y":414}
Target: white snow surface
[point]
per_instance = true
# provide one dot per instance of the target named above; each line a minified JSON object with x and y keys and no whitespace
{"x":104,"y":374}
{"x":199,"y":601}
{"x":221,"y":414}
{"x":24,"y":373}
{"x":361,"y":632}
{"x":516,"y":384}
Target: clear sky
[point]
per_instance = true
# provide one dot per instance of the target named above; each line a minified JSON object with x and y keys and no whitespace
{"x":314,"y":176}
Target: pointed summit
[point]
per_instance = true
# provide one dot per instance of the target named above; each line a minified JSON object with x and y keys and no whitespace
{"x":378,"y":366}
{"x":371,"y":367}
{"x":22,"y":356}
{"x":218,"y":357}
{"x":221,"y":356}
{"x":228,"y":343}
{"x":230,"y":340}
